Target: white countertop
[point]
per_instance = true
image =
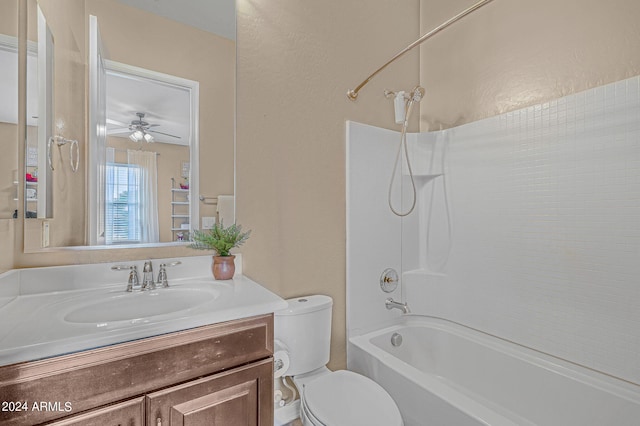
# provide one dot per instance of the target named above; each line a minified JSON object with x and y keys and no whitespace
{"x":34,"y":317}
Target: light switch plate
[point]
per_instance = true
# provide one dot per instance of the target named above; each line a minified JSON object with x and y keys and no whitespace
{"x":45,"y":234}
{"x":208,"y":222}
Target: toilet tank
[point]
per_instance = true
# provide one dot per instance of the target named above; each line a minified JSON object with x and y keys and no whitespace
{"x":304,"y":328}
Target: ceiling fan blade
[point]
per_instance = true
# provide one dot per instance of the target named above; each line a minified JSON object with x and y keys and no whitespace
{"x":162,"y":133}
{"x":117,"y":123}
{"x":117,"y":131}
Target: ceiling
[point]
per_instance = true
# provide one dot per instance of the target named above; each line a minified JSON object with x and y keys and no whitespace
{"x":215,"y":16}
{"x":166,"y":107}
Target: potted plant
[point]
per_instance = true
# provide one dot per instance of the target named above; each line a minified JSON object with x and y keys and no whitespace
{"x":221,"y":240}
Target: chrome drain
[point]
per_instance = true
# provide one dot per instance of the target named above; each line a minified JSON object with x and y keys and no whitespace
{"x":396,"y":339}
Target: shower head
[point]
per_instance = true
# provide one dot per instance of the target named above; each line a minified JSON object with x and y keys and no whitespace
{"x":417,"y":94}
{"x":403,"y":101}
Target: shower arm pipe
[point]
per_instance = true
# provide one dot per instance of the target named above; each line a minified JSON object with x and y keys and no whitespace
{"x":353,"y":94}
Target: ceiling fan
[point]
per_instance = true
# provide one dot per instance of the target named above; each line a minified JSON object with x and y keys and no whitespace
{"x":140,"y":129}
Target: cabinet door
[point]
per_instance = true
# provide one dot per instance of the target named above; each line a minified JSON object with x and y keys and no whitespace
{"x":236,"y":405}
{"x":239,"y":397}
{"x":128,"y":413}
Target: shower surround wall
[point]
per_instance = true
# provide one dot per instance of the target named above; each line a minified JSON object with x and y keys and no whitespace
{"x":544,"y":208}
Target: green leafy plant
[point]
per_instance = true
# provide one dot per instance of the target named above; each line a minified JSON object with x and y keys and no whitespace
{"x":219,"y":238}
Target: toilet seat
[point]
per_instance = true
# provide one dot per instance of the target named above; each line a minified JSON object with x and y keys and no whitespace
{"x":307,"y":417}
{"x":344,"y":398}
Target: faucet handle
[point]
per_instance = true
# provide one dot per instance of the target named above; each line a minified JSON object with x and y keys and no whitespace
{"x":162,"y":275}
{"x":133,"y":283}
{"x":122,"y":267}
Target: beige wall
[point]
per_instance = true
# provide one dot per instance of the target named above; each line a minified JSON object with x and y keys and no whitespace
{"x":7,"y":235}
{"x":296,"y":61}
{"x":9,"y":18}
{"x":512,"y":54}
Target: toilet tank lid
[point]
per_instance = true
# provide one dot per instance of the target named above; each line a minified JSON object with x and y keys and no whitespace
{"x":305,"y":304}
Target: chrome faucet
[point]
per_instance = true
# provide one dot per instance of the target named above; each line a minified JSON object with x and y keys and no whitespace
{"x":133,"y":284}
{"x":392,"y":304}
{"x":147,"y":277}
{"x":162,"y":275}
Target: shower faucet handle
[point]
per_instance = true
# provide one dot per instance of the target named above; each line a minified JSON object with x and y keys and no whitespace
{"x":389,"y":280}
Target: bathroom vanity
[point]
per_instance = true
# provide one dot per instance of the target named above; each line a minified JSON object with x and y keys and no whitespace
{"x":173,"y":379}
{"x":177,"y":367}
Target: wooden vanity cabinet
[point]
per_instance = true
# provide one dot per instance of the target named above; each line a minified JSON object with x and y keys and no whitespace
{"x":220,"y":374}
{"x":128,"y":413}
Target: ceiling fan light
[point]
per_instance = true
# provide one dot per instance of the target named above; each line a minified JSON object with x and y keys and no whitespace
{"x":133,"y":137}
{"x":148,"y":137}
{"x":138,"y":135}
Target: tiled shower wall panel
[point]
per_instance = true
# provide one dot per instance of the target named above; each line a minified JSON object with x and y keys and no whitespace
{"x":545,"y":207}
{"x":373,"y":232}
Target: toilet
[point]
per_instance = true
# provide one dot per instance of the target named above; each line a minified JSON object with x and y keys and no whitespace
{"x":327,"y":398}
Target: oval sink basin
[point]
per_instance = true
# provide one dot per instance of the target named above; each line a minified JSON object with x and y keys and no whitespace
{"x":131,"y":306}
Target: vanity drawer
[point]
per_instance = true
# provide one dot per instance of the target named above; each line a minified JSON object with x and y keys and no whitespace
{"x":128,"y":413}
{"x":97,"y":377}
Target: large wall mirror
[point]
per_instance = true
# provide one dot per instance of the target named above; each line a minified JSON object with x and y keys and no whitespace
{"x":137,"y":146}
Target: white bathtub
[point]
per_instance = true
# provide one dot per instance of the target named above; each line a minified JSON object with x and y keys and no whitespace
{"x":450,"y":375}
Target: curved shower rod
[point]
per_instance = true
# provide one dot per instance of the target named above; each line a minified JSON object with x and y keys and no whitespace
{"x":353,"y":93}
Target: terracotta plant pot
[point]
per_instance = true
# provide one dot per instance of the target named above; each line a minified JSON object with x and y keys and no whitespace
{"x":223,"y":267}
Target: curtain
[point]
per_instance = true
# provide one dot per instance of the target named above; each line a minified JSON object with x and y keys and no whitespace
{"x":146,"y":196}
{"x":105,"y":177}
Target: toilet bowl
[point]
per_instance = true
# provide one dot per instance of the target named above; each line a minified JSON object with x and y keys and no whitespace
{"x":327,"y":398}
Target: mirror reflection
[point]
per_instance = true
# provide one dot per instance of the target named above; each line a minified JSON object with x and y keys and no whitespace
{"x":160,"y":91}
{"x":149,"y":138}
{"x":9,"y":181}
{"x":38,"y":166}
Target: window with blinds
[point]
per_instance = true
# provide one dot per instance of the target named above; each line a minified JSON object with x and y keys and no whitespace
{"x":122,"y":206}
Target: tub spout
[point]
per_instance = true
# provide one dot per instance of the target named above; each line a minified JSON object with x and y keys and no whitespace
{"x":392,"y":304}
